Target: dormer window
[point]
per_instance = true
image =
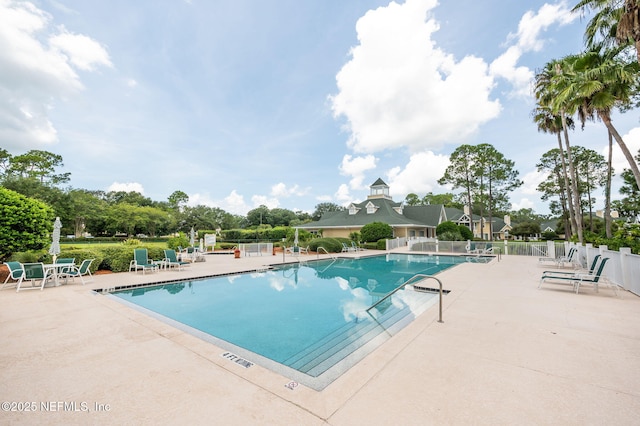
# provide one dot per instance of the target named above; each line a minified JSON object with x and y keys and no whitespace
{"x":353,"y":209}
{"x":371,"y":208}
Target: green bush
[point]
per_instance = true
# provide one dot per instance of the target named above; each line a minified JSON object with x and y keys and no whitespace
{"x":180,"y":241}
{"x":27,"y":256}
{"x":375,"y":231}
{"x":25,"y":223}
{"x":332,"y":245}
{"x":80,"y":255}
{"x":465,"y":232}
{"x":449,"y":231}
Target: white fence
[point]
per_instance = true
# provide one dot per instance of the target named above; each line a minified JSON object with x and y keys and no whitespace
{"x":256,"y":248}
{"x":622,"y":269}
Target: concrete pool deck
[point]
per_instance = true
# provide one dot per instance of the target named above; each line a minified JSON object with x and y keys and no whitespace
{"x":507,"y":353}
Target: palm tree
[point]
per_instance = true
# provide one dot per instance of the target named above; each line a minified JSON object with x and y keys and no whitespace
{"x":599,"y":83}
{"x":550,"y":83}
{"x":616,"y":22}
{"x":550,"y":123}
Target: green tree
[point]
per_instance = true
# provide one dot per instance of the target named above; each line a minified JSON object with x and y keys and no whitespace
{"x":258,"y":216}
{"x":591,"y":169}
{"x":323,"y":208}
{"x":25,"y":223}
{"x":178,"y":199}
{"x":460,"y":173}
{"x":550,"y":91}
{"x":447,"y":199}
{"x":412,"y":200}
{"x":615,"y":22}
{"x":375,"y":231}
{"x":497,"y":177}
{"x":39,"y":165}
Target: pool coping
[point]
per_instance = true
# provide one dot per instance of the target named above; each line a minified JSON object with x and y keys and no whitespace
{"x":506,"y":350}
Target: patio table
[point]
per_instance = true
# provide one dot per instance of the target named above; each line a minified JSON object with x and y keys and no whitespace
{"x":55,"y":270}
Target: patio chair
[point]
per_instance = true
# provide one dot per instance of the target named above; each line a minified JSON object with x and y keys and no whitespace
{"x":579,"y":278}
{"x":65,"y":260}
{"x":16,"y":272}
{"x":34,"y":272}
{"x":141,"y":261}
{"x":593,"y":278}
{"x":584,"y":271}
{"x":561,"y":260}
{"x":80,"y":271}
{"x":171,"y":259}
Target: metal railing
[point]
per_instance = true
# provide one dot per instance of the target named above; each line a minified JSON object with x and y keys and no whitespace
{"x":325,"y":250}
{"x":422,"y":277}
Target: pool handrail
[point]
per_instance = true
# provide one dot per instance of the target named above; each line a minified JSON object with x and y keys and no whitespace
{"x":422,"y":277}
{"x":325,"y":250}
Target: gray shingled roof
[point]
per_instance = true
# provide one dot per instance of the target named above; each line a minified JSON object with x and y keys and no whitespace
{"x":384,"y":213}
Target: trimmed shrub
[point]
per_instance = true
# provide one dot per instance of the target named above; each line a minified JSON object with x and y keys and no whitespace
{"x":447,"y":226}
{"x":465,"y":232}
{"x":332,"y":245}
{"x":375,"y":231}
{"x":381,"y":244}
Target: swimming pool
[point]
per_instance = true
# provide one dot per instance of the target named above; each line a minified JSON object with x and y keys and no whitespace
{"x":308,"y":321}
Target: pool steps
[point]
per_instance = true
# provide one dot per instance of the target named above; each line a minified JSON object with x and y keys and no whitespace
{"x":318,"y":358}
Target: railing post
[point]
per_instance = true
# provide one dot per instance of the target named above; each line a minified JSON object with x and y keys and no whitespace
{"x":625,"y":267}
{"x":551,"y":249}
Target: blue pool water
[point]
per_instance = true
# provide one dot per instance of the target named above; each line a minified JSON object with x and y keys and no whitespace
{"x":306,"y":316}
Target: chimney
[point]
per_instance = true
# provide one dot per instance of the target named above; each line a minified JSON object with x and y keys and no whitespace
{"x":507,"y":219}
{"x":466,"y":210}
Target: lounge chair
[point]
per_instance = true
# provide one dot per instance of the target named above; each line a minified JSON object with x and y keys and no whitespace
{"x":583,"y":271}
{"x":561,"y":260}
{"x":141,"y":261}
{"x":34,"y":272}
{"x":346,"y":248}
{"x":16,"y":272}
{"x":80,"y":271}
{"x":593,"y":278}
{"x":171,"y":259}
{"x":296,"y":250}
{"x":576,"y":279}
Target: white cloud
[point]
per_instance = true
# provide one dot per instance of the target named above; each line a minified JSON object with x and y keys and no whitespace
{"x":524,"y":203}
{"x":282,"y":191}
{"x":632,"y":141}
{"x":234,"y":203}
{"x":531,"y":181}
{"x":37,"y":63}
{"x":528,"y":39}
{"x":82,"y":51}
{"x":126,"y":187}
{"x":263,"y":200}
{"x":343,"y":196}
{"x":400,"y":90}
{"x":419,"y":176}
{"x":355,"y":167}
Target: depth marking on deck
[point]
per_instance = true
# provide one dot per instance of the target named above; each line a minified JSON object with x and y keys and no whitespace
{"x":238,"y":360}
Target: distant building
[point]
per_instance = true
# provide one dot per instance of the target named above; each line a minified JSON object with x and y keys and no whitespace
{"x":406,"y":221}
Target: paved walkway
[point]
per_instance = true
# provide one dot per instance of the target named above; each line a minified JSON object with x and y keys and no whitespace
{"x":507,"y":353}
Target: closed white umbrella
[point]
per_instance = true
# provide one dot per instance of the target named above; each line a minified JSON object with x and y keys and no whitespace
{"x":192,"y":239}
{"x":54,"y":250}
{"x":295,"y":238}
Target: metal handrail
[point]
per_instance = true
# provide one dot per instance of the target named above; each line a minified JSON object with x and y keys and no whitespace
{"x":423,"y":277}
{"x":325,"y":250}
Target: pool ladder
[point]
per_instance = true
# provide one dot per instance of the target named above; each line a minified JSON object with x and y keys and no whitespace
{"x":325,"y":250}
{"x":409,"y":281}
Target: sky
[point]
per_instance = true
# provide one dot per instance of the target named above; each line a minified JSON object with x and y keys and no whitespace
{"x":283,"y":103}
